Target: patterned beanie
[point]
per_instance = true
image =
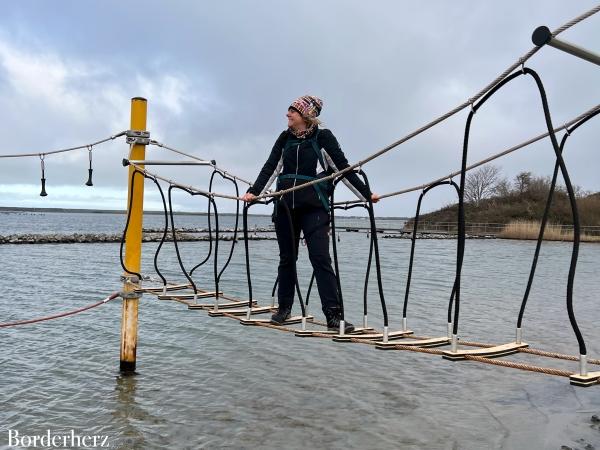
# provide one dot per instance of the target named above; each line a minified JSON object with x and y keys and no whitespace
{"x":308,"y":106}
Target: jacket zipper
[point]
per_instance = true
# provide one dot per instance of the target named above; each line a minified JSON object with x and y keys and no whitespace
{"x":294,"y":192}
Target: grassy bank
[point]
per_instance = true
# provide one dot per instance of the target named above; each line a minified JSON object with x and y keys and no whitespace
{"x":523,"y":229}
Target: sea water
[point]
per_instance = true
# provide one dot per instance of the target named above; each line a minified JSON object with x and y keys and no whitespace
{"x":211,"y":383}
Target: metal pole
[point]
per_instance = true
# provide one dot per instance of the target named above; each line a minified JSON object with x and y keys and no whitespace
{"x":542,"y":36}
{"x":133,"y":244}
{"x":127,"y":162}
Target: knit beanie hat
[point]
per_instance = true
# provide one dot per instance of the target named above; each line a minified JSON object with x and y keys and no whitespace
{"x":308,"y":106}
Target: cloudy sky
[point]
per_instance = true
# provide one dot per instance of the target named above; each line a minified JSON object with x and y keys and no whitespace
{"x":219,"y":76}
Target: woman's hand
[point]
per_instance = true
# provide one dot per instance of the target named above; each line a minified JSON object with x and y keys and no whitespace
{"x":248,"y":197}
{"x":374,"y":198}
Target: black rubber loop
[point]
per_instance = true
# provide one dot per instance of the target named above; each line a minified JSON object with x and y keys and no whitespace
{"x":538,"y":246}
{"x":130,"y":203}
{"x":369,"y":207}
{"x":412,"y":248}
{"x":369,"y":259}
{"x":570,"y":191}
{"x":175,"y":242}
{"x":246,"y":248}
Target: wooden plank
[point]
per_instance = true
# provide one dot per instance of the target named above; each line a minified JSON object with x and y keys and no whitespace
{"x":312,"y":333}
{"x":290,"y":321}
{"x":225,"y":305}
{"x":189,"y":296}
{"x":488,"y":352}
{"x":315,"y":333}
{"x":242,"y":311}
{"x":158,"y":289}
{"x":371,"y":336}
{"x":424,"y":343}
{"x":585,"y":380}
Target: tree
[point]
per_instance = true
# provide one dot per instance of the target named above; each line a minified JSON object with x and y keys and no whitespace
{"x":481,"y":183}
{"x":522,"y":182}
{"x":502,"y":188}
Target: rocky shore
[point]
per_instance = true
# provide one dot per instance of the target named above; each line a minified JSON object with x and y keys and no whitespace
{"x":149,"y":236}
{"x":182,"y":236}
{"x":437,"y":236}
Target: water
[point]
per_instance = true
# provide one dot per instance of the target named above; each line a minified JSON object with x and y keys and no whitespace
{"x":211,"y":383}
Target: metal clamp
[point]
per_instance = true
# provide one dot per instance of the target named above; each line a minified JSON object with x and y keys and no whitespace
{"x":136,"y":137}
{"x":133,"y":279}
{"x":129,"y":294}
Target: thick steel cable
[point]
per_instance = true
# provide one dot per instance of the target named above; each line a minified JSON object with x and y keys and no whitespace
{"x":555,"y":355}
{"x":443,"y":117}
{"x":521,"y":366}
{"x":434,"y":351}
{"x":403,"y":191}
{"x":545,"y":215}
{"x":212,"y":163}
{"x":57,"y":316}
{"x":69,"y":149}
{"x":190,"y":189}
{"x":495,"y":156}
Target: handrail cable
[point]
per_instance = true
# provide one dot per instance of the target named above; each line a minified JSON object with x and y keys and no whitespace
{"x":69,"y":149}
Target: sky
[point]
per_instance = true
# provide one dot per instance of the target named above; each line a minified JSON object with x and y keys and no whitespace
{"x":219,"y":77}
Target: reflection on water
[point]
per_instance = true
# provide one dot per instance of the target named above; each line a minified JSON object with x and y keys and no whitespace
{"x":127,"y":412}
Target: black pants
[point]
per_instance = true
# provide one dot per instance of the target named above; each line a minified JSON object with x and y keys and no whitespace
{"x":314,"y":223}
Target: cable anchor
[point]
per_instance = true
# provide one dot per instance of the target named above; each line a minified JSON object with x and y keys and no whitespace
{"x":43,"y":193}
{"x":135,"y":137}
{"x":90,"y":170}
{"x":472,"y":103}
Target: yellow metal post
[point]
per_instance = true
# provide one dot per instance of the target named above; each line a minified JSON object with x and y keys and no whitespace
{"x":133,"y":242}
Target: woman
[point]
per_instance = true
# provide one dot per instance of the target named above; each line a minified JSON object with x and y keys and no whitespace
{"x":299,"y":149}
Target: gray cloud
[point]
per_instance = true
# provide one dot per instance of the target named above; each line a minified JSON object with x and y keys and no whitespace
{"x":219,"y":77}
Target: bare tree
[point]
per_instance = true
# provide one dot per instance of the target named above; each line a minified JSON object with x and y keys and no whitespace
{"x":502,"y":188}
{"x":481,"y":183}
{"x":522,"y":182}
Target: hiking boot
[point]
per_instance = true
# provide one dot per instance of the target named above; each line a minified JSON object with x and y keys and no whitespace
{"x":282,"y":314}
{"x":333,"y":317}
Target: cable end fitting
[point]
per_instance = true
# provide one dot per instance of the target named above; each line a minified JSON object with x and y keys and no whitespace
{"x":541,"y":36}
{"x":125,"y":162}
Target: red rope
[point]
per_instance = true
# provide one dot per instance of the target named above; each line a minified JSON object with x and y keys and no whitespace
{"x":56,"y":316}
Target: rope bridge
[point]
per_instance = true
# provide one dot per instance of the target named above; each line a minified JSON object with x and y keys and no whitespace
{"x":243,"y":310}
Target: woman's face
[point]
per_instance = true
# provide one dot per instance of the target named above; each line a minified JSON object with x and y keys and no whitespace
{"x":295,"y":120}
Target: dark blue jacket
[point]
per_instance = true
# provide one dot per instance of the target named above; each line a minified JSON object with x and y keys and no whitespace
{"x":301,"y":159}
